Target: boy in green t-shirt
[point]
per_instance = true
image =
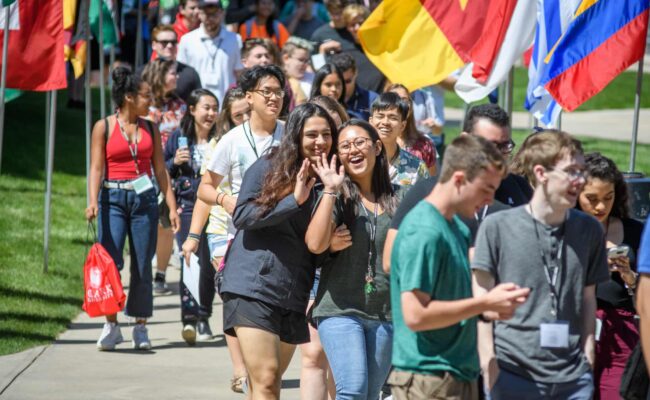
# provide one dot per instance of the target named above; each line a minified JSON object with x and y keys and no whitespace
{"x":434,"y":345}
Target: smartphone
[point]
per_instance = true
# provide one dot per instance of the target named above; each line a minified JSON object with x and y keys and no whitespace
{"x":182,"y":142}
{"x":618,"y":251}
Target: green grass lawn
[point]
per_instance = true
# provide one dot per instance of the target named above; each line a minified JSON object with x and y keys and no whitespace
{"x":36,"y":307}
{"x":617,"y":95}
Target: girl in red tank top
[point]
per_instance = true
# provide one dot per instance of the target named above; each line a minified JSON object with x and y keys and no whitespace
{"x":125,"y":149}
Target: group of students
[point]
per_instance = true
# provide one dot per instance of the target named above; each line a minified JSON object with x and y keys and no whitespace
{"x":344,"y":237}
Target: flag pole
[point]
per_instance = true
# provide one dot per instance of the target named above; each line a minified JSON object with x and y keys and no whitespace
{"x":507,"y":98}
{"x":138,"y":38}
{"x":51,"y":118}
{"x":102,"y":89}
{"x":637,"y":109}
{"x":3,"y":79}
{"x":88,"y":99}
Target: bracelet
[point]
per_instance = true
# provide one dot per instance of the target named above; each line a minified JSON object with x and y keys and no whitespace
{"x":330,"y":193}
{"x":194,"y":236}
{"x":220,"y":194}
{"x":482,"y":318}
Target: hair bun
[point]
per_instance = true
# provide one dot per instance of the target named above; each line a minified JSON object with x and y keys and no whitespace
{"x":121,"y":74}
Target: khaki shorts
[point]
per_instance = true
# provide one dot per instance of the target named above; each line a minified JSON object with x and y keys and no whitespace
{"x":412,"y":386}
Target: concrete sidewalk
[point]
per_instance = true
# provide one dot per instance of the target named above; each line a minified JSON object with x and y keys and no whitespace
{"x":72,"y":367}
{"x":603,"y":124}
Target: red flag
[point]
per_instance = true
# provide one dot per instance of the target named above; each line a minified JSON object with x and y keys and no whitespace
{"x":35,"y":55}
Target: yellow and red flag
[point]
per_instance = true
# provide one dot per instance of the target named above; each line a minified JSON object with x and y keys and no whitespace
{"x":421,"y":42}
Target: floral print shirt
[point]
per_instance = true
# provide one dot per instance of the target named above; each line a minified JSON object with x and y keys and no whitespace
{"x":406,"y":169}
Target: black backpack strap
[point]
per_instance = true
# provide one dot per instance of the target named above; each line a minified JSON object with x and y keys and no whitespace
{"x":105,"y":130}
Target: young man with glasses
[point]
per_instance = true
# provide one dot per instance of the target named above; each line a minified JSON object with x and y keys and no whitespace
{"x":212,"y":50}
{"x":547,"y":349}
{"x":164,"y":44}
{"x":388,"y":116}
{"x":434,"y":344}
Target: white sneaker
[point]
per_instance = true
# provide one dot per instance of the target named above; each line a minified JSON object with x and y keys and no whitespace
{"x":189,"y":334}
{"x":141,"y":337}
{"x":111,"y":336}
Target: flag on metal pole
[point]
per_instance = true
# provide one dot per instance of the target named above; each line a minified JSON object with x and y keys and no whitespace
{"x":508,"y":31}
{"x":35,"y":51}
{"x":109,"y":26}
{"x":604,"y":38}
{"x":553,"y":18}
{"x":420,"y":42}
{"x":75,"y":29}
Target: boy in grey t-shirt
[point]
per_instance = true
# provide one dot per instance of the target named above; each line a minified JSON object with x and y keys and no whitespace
{"x":547,"y":349}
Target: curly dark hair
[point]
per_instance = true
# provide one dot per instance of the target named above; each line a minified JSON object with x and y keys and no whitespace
{"x":286,"y":159}
{"x":381,"y":186}
{"x":125,"y":82}
{"x":491,"y":112}
{"x":597,"y":166}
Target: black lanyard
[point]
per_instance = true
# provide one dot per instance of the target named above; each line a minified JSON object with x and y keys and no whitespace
{"x":251,"y":138}
{"x":213,"y":55}
{"x":370,"y":274}
{"x":132,"y":149}
{"x":551,"y":272}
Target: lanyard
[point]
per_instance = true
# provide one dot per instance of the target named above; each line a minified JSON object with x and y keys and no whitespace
{"x":213,"y":55}
{"x":251,"y":139}
{"x":551,"y":268}
{"x":482,"y":217}
{"x":370,"y":274}
{"x":133,"y":150}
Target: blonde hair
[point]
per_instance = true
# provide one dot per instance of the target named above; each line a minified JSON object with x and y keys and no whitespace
{"x":353,"y":11}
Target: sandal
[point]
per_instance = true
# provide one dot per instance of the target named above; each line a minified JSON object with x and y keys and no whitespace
{"x":239,"y":384}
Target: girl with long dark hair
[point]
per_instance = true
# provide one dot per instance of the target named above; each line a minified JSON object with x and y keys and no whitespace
{"x":605,"y":197}
{"x":328,"y":81}
{"x":185,"y":153}
{"x":166,"y":112}
{"x":269,"y":269}
{"x":353,"y":301}
{"x":125,"y":149}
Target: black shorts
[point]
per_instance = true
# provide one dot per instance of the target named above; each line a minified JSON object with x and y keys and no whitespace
{"x":289,"y":325}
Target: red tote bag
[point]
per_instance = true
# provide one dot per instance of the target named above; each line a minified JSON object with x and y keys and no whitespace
{"x":103,"y":292}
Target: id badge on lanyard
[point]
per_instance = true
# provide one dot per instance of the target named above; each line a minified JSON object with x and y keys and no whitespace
{"x":141,"y":184}
{"x":554,"y":335}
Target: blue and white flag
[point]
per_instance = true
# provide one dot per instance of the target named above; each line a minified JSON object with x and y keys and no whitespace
{"x":553,"y":18}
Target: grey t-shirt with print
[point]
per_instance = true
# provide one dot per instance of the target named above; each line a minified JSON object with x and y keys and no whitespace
{"x":508,"y":247}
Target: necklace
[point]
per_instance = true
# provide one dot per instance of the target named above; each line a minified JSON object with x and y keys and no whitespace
{"x":370,"y":287}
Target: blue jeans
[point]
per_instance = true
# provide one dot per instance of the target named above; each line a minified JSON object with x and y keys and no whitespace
{"x":359,"y":353}
{"x":124,"y":213}
{"x":513,"y":386}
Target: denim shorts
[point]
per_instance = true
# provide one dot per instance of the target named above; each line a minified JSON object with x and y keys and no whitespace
{"x":218,"y":244}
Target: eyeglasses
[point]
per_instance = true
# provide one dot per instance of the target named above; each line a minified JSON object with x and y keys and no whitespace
{"x":361,"y":143}
{"x":268,"y":93}
{"x":165,"y":43}
{"x":573,"y":174}
{"x":505,"y":147}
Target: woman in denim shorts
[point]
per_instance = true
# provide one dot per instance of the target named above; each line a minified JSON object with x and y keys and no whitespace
{"x":125,"y":149}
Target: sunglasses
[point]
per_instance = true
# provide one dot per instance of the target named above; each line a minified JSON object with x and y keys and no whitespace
{"x":166,"y":43}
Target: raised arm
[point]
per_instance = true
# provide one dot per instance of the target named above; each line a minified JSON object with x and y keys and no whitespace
{"x":319,"y":232}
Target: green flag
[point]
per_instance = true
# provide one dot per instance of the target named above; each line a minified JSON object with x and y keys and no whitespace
{"x":110,"y":26}
{"x":5,"y":3}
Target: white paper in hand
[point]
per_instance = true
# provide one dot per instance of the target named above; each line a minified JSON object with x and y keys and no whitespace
{"x":191,"y":274}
